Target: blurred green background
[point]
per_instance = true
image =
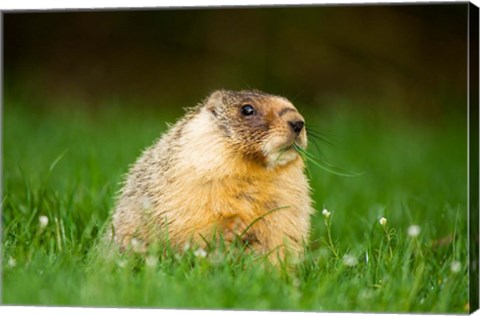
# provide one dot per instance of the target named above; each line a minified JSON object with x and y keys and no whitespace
{"x":407,"y":58}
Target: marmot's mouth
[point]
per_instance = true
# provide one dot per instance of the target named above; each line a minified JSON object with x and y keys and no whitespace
{"x":281,"y":150}
{"x":299,"y":142}
{"x":291,"y":145}
{"x":287,"y":147}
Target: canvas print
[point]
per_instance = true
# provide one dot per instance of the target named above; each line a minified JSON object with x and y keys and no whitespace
{"x":298,"y":158}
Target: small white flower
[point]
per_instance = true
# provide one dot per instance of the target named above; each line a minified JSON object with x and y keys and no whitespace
{"x":414,"y":231}
{"x":200,"y":253}
{"x":326,"y":213}
{"x":135,"y":242}
{"x":456,"y":266}
{"x":383,"y":221}
{"x":11,"y":262}
{"x":43,"y":221}
{"x":350,"y":260}
{"x":137,"y":245}
{"x":151,"y":261}
{"x":187,"y":246}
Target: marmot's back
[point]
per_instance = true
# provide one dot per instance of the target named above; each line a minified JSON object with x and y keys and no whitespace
{"x":226,"y":163}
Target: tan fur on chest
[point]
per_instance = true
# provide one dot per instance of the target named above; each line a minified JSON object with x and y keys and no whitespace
{"x":229,"y":204}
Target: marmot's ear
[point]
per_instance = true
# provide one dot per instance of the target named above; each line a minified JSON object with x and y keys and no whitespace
{"x":214,"y":100}
{"x":217,"y":95}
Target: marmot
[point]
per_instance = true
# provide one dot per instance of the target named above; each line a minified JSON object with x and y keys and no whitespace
{"x":227,"y":167}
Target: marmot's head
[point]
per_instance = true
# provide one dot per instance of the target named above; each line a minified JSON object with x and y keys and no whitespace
{"x":261,"y":126}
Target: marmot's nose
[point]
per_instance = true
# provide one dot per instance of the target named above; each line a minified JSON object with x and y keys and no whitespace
{"x":296,"y":126}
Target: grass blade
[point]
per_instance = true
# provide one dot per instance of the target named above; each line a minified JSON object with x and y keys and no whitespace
{"x":324,"y":165}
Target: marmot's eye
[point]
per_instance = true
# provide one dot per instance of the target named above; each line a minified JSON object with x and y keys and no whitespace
{"x":248,"y":110}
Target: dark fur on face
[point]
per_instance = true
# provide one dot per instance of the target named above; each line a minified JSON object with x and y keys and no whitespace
{"x":247,"y":132}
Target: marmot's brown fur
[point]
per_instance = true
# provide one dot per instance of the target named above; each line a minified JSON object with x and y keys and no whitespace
{"x":228,"y":162}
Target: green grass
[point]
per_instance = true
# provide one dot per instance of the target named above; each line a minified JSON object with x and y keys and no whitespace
{"x":67,"y":164}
